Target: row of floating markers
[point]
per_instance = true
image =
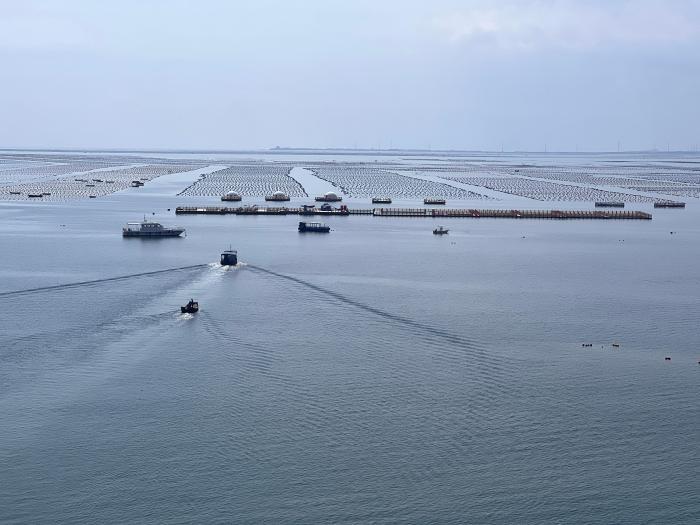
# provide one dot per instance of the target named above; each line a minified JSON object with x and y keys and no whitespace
{"x":617,"y":345}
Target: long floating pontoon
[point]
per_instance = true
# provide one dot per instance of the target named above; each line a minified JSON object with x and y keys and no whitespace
{"x":417,"y":212}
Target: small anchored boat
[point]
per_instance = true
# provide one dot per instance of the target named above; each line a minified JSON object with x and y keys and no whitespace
{"x":440,"y":231}
{"x":190,"y":308}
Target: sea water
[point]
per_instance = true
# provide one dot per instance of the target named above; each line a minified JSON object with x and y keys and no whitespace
{"x":375,"y":374}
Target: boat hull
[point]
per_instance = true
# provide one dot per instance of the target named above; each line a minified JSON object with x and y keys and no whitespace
{"x":151,"y":235}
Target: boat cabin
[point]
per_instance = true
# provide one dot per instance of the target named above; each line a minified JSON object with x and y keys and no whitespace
{"x":229,"y":258}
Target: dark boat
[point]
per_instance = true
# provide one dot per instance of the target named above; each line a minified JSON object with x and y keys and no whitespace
{"x":313,"y":227}
{"x":229,"y":258}
{"x":440,"y":231}
{"x":381,"y":200}
{"x":190,"y":308}
{"x":433,"y":200}
{"x":610,"y":204}
{"x":669,"y":204}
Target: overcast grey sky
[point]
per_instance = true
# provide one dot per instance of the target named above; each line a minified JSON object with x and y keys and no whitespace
{"x":445,"y":74}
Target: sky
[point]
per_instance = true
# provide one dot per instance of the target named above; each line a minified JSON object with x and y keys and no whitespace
{"x":564,"y":75}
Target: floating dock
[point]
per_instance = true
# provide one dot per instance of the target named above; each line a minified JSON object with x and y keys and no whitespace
{"x":417,"y":212}
{"x":669,"y":204}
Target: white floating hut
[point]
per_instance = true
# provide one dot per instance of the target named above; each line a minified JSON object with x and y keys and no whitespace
{"x":231,"y":196}
{"x":277,"y":196}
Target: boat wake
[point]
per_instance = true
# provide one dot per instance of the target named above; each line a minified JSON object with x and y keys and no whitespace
{"x":98,"y":281}
{"x":473,"y":346}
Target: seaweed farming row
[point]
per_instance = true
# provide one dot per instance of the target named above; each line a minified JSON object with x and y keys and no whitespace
{"x":653,"y":180}
{"x":368,"y":182}
{"x":548,"y":191}
{"x":43,"y":171}
{"x":254,"y":180}
{"x":65,"y":176}
{"x":88,"y":185}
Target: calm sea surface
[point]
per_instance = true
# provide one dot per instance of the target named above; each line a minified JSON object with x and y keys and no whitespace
{"x":377,"y":374}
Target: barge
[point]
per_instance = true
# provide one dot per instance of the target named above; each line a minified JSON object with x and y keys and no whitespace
{"x":313,"y":227}
{"x":434,"y":200}
{"x":669,"y":204}
{"x":381,"y":200}
{"x":609,"y":204}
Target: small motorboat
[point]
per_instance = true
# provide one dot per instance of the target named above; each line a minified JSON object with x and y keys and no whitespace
{"x":440,"y":231}
{"x":229,"y":257}
{"x":616,"y":345}
{"x":190,"y":308}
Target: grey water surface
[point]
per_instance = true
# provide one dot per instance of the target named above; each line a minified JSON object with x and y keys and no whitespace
{"x":377,"y":374}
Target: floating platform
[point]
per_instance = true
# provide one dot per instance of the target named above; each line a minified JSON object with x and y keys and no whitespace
{"x":669,"y":204}
{"x":418,"y":212}
{"x":381,"y":200}
{"x":610,"y":204}
{"x":329,"y":197}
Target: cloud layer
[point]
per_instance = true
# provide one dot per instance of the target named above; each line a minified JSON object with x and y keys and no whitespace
{"x":570,"y":24}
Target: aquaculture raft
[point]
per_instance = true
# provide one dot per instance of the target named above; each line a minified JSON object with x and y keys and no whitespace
{"x":669,"y":204}
{"x":418,"y":212}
